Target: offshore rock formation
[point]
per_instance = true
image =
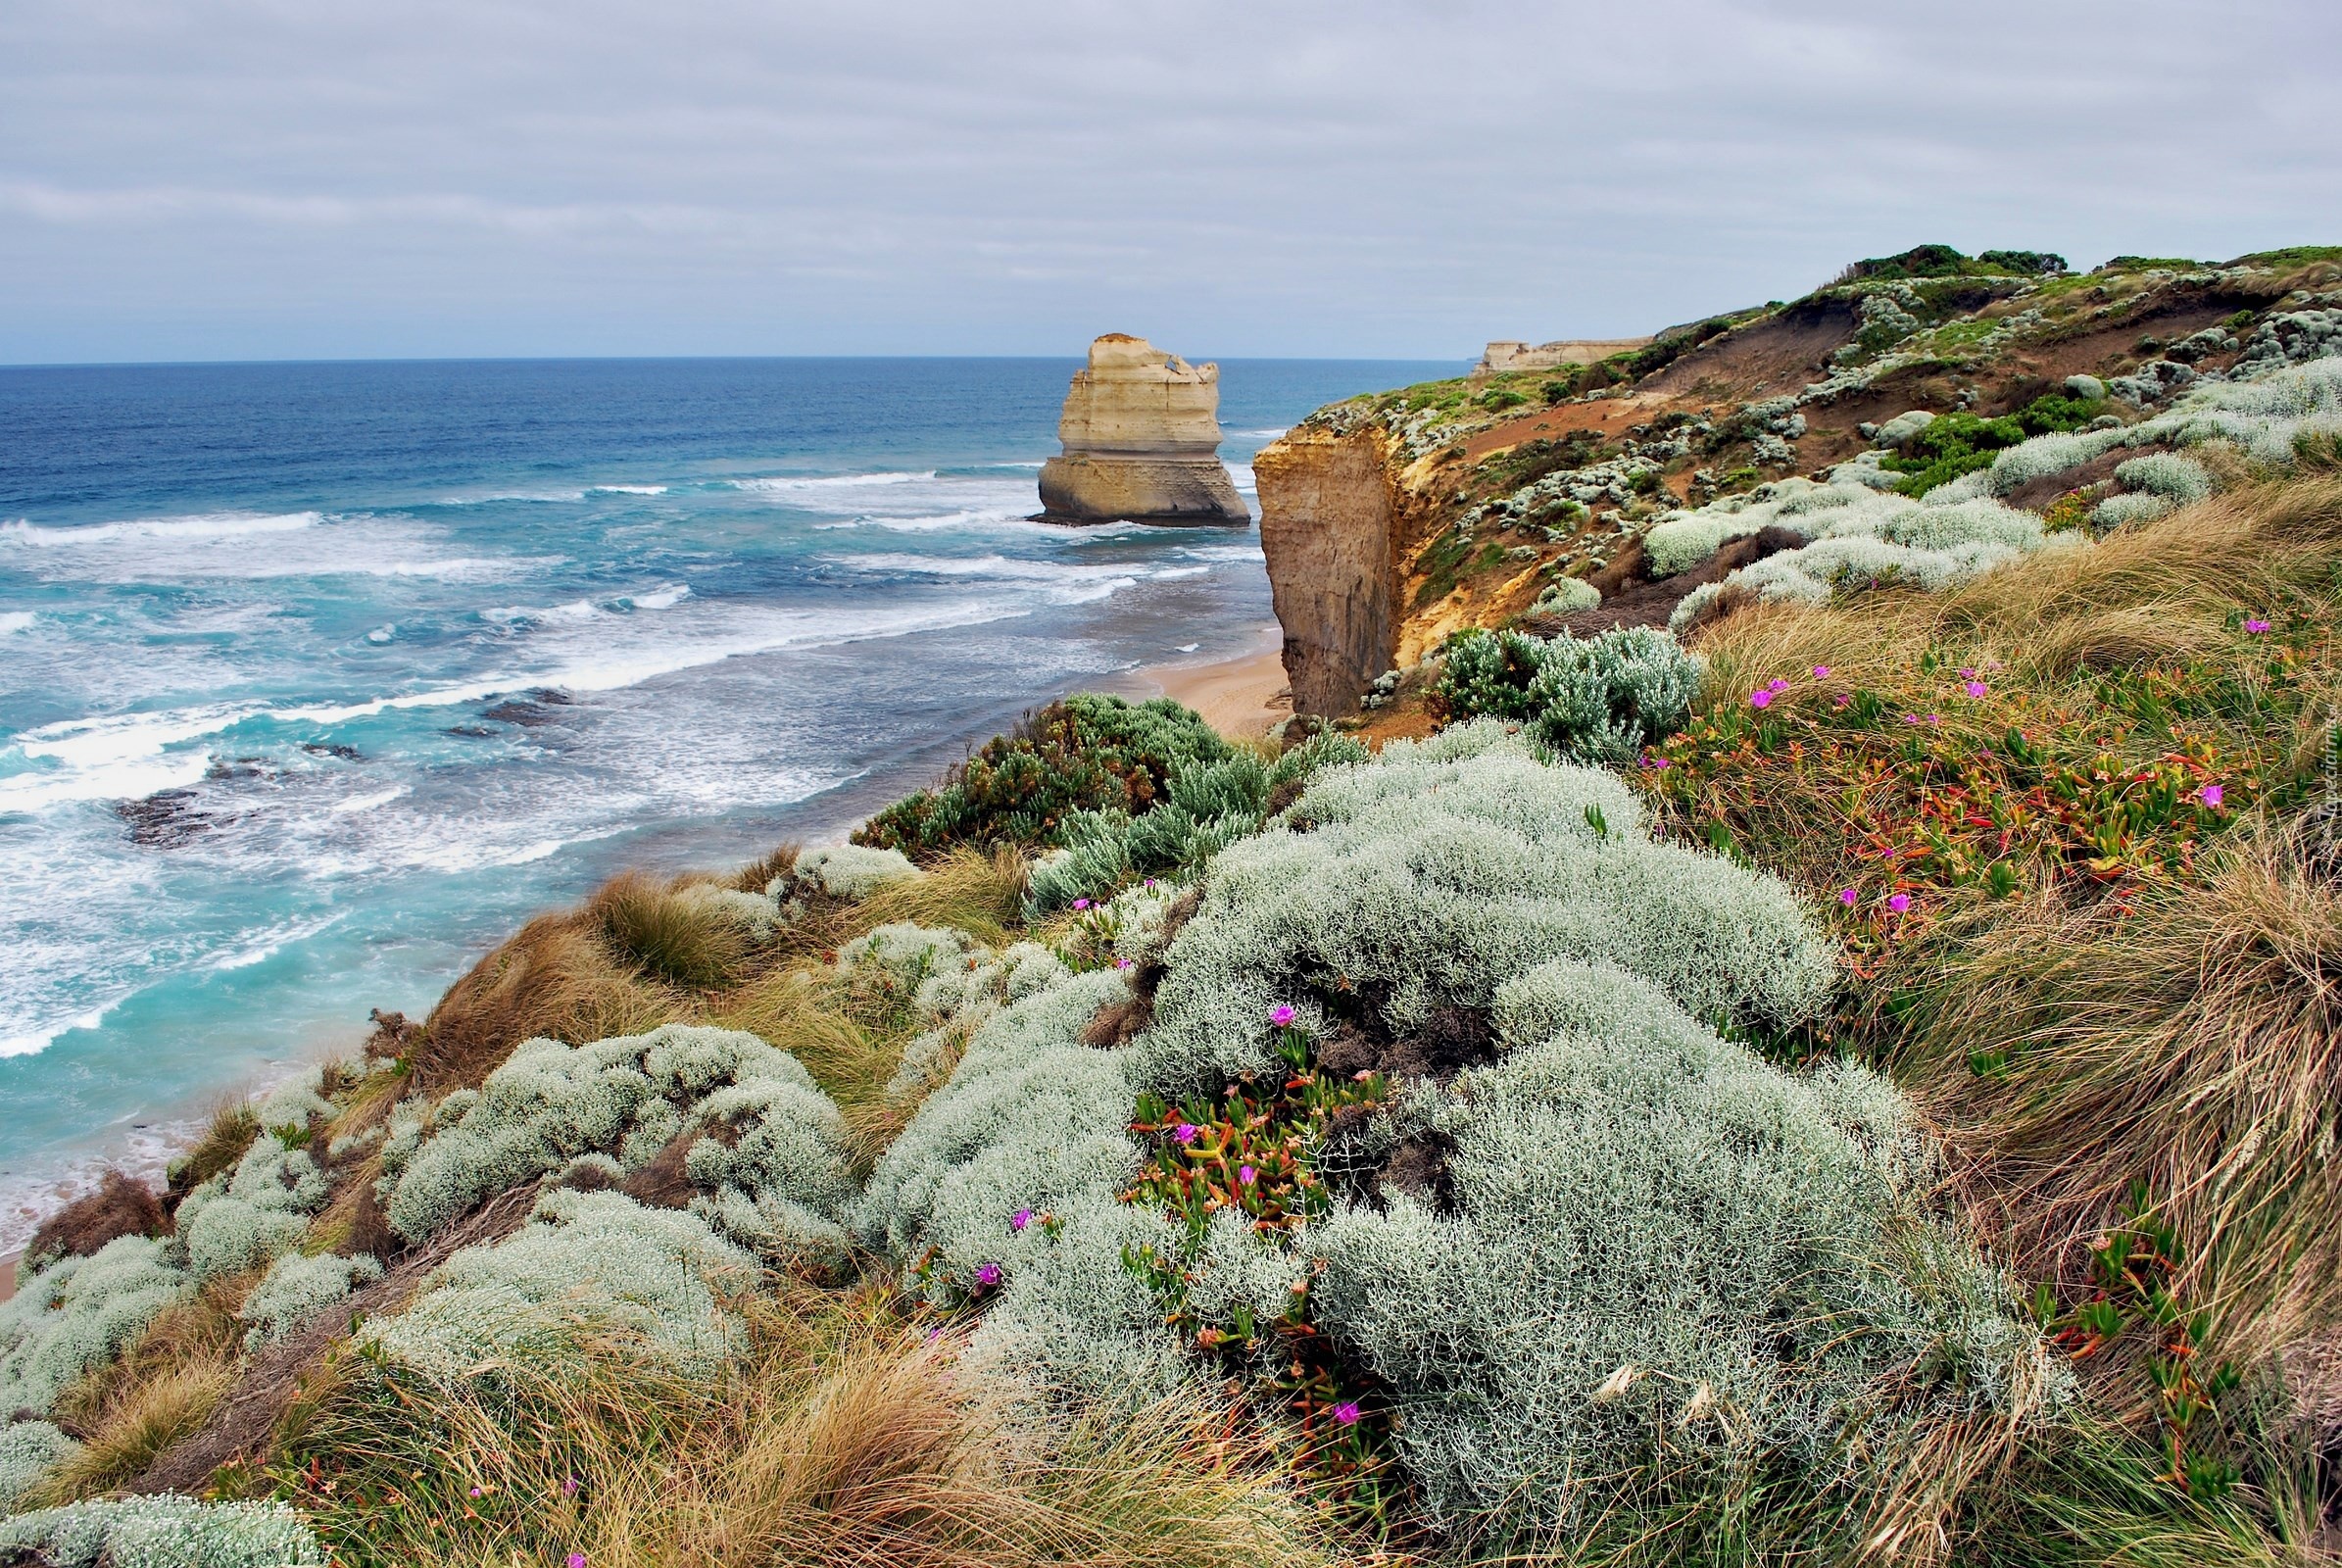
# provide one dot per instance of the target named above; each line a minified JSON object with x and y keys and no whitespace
{"x":1142,"y":435}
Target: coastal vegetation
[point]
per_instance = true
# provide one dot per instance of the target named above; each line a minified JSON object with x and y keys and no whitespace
{"x":1848,"y":1080}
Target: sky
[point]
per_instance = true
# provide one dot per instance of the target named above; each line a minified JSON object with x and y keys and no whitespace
{"x":205,"y":179}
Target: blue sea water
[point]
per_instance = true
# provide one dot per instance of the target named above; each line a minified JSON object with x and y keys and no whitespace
{"x":317,"y":679}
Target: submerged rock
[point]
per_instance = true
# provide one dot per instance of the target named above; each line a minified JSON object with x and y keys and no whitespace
{"x":1142,"y":436}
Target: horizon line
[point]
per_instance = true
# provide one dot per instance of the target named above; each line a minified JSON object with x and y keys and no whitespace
{"x":655,"y":358}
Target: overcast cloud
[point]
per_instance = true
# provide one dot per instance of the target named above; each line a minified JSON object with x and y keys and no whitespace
{"x":261,"y":179}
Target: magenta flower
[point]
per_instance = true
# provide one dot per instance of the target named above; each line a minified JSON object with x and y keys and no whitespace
{"x":2255,"y":627}
{"x":1976,"y":688}
{"x":1122,"y":964}
{"x":1185,"y":1131}
{"x":1151,"y":884}
{"x":1760,"y":697}
{"x":1245,"y":1174}
{"x":989,"y":1274}
{"x":1777,"y":684}
{"x":1846,"y":897}
{"x":476,"y":1491}
{"x":1821,"y":672}
{"x":1081,"y":903}
{"x":1347,"y":1413}
{"x":1654,"y":763}
{"x":1840,"y":700}
{"x":569,"y":1487}
{"x":1967,"y":674}
{"x":1020,"y":1220}
{"x":1282,"y":1016}
{"x":575,"y":1560}
{"x":1899,"y":903}
{"x":2210,"y":795}
{"x":1934,"y":718}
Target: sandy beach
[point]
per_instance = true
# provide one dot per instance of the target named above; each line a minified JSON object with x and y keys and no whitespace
{"x":1240,"y":697}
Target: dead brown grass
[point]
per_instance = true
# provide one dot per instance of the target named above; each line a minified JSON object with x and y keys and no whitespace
{"x":552,"y":979}
{"x":118,"y":1207}
{"x":162,"y":1388}
{"x":2163,"y":591}
{"x":2195,"y":1046}
{"x":844,"y":1436}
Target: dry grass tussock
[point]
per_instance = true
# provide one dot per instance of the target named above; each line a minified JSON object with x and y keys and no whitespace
{"x":2165,"y":591}
{"x":164,"y":1388}
{"x":638,"y":955}
{"x":2196,"y":1046}
{"x":843,"y":1436}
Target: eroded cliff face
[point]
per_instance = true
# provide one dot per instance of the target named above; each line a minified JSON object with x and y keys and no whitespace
{"x":1340,"y":520}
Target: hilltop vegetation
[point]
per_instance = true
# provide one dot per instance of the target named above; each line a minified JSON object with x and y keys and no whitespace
{"x":1849,"y":1080}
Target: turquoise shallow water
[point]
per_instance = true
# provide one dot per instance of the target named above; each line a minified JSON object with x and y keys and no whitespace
{"x":316,"y":679}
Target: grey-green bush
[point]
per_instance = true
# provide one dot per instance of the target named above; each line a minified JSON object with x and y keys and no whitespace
{"x":297,"y":1287}
{"x":1594,"y":700}
{"x":165,"y":1531}
{"x":782,"y":1179}
{"x":30,"y":1450}
{"x":588,"y":1265}
{"x":79,"y":1314}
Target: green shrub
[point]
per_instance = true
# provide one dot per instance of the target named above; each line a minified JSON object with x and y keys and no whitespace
{"x":1959,"y":444}
{"x":1207,"y":806}
{"x":1592,"y":701}
{"x":1085,"y":753}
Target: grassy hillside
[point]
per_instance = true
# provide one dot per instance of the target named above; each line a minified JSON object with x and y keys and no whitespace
{"x":1851,"y":1080}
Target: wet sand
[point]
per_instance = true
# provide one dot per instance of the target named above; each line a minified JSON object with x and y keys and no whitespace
{"x":1240,"y":697}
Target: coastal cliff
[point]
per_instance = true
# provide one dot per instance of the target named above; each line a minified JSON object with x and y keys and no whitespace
{"x":1529,"y":496}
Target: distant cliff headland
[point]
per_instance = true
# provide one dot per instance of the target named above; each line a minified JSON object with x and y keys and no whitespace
{"x":1777,"y":1003}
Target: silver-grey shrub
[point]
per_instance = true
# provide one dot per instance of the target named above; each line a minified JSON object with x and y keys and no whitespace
{"x":297,"y":1287}
{"x":79,"y":1314}
{"x":30,"y":1450}
{"x":587,"y":1265}
{"x":258,"y":1214}
{"x":2174,"y":475}
{"x":1662,"y":1252}
{"x":784,"y":1176}
{"x":1444,"y":869}
{"x":2116,"y":512}
{"x":165,"y":1532}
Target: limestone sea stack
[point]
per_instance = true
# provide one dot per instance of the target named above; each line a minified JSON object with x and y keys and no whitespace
{"x":1142,"y":436}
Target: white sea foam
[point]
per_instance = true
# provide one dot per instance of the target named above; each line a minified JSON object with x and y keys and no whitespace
{"x":576,"y":610}
{"x":785,"y":484}
{"x":1170,"y":573}
{"x":367,"y":803}
{"x":551,"y":496}
{"x":39,"y":1038}
{"x":261,"y":946}
{"x":15,"y":620}
{"x":666,"y":597}
{"x":629,"y":489}
{"x":203,"y":526}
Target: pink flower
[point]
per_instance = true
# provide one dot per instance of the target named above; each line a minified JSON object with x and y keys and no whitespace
{"x":569,"y":1487}
{"x":1760,"y":697}
{"x":1846,"y":895}
{"x":1934,"y":718}
{"x":1654,"y":763}
{"x":1122,"y":964}
{"x":1910,"y":718}
{"x":476,"y":1491}
{"x":1081,"y":903}
{"x":1185,"y":1131}
{"x":1967,"y":674}
{"x":1020,"y":1220}
{"x":575,"y":1560}
{"x":1899,"y":903}
{"x":2210,"y":795}
{"x":1821,"y":672}
{"x":1840,"y":701}
{"x":2255,"y":627}
{"x":1282,"y":1016}
{"x":1245,"y":1174}
{"x":1347,"y":1413}
{"x":1976,"y":688}
{"x":1151,"y":884}
{"x":989,"y":1274}
{"x":1777,"y":684}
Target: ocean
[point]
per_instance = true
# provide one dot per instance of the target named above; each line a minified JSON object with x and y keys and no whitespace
{"x":317,"y":679}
